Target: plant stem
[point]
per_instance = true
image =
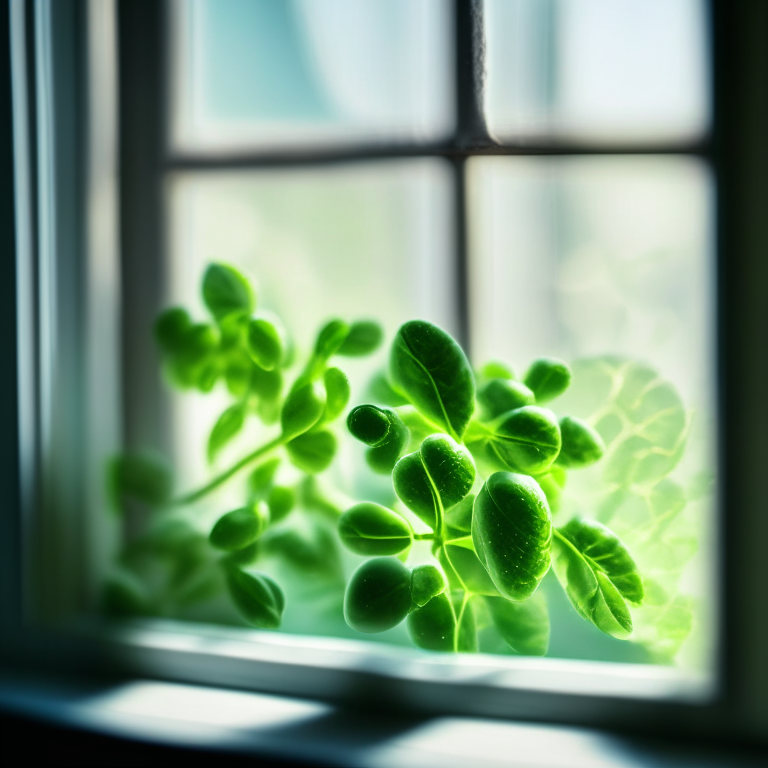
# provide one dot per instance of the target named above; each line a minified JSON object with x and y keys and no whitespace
{"x":423,"y":536}
{"x":263,"y":450}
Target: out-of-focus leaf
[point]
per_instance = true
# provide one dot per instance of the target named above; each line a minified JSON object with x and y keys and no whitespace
{"x":381,"y":391}
{"x":312,"y":551}
{"x":432,"y":371}
{"x":226,"y":427}
{"x":238,"y":372}
{"x":524,"y":626}
{"x":124,"y":595}
{"x":547,"y":378}
{"x":257,"y":597}
{"x":552,"y":484}
{"x":435,"y":478}
{"x":266,"y":384}
{"x":332,"y":335}
{"x":312,"y":452}
{"x":280,"y":500}
{"x":265,"y":343}
{"x":465,"y":571}
{"x":364,"y":337}
{"x":226,"y":292}
{"x":337,"y":393}
{"x":371,"y":529}
{"x":240,"y":527}
{"x":171,"y":329}
{"x":466,"y":640}
{"x":144,"y":477}
{"x":262,"y":477}
{"x":512,"y":533}
{"x":378,"y":596}
{"x":495,"y":369}
{"x":302,"y":408}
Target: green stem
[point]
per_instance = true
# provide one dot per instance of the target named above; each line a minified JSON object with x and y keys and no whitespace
{"x":423,"y":536}
{"x":263,"y":450}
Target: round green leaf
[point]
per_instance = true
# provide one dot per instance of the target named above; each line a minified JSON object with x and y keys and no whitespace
{"x":524,"y":626}
{"x":378,"y":595}
{"x":501,"y":395}
{"x":226,"y":427}
{"x":266,"y":384}
{"x":369,"y":424}
{"x":265,"y":343}
{"x":496,"y":370}
{"x":370,"y":529}
{"x":365,"y":336}
{"x":439,"y":474}
{"x":261,"y":479}
{"x":512,"y":533}
{"x":226,"y":292}
{"x":427,"y":581}
{"x":312,"y":452}
{"x":302,"y":408}
{"x":581,"y":445}
{"x":258,"y":598}
{"x":281,"y":501}
{"x":171,"y":329}
{"x":433,"y":625}
{"x":547,"y":378}
{"x":432,"y":371}
{"x":332,"y":335}
{"x":337,"y":391}
{"x":526,"y":440}
{"x":240,"y":527}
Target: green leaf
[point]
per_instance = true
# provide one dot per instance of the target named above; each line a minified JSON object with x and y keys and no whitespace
{"x":497,"y":370}
{"x":433,"y":625}
{"x":262,"y":477}
{"x":552,"y":484}
{"x":581,"y":445}
{"x":370,"y":529}
{"x":465,"y":571}
{"x":265,"y":343}
{"x":240,"y":527}
{"x":281,"y":501}
{"x":437,"y":476}
{"x":144,"y":477}
{"x":524,"y":626}
{"x":512,"y":533}
{"x":238,"y":372}
{"x":258,"y":598}
{"x":226,"y":427}
{"x":124,"y":595}
{"x":365,"y":336}
{"x":193,"y":362}
{"x":526,"y":440}
{"x":332,"y":335}
{"x":381,"y":429}
{"x":167,"y":537}
{"x":458,"y":519}
{"x":378,"y":596}
{"x":547,"y":378}
{"x":226,"y":292}
{"x":427,"y":581}
{"x":245,"y":556}
{"x":266,"y":384}
{"x":381,"y":391}
{"x":312,"y":452}
{"x":432,"y":371}
{"x":311,"y":550}
{"x":337,"y":393}
{"x":501,"y":395}
{"x":171,"y":329}
{"x":302,"y":408}
{"x":598,"y":575}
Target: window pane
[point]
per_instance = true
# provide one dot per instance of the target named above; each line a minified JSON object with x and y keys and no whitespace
{"x":608,"y":264}
{"x":261,"y":74}
{"x":363,"y":241}
{"x":597,"y":70}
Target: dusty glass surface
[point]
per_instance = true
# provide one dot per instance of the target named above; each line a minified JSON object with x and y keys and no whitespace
{"x":597,"y":70}
{"x":261,"y":74}
{"x":609,"y":264}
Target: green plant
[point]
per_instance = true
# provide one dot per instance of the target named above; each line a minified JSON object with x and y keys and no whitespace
{"x":478,"y":467}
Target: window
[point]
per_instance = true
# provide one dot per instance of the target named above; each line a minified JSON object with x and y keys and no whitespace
{"x":549,"y":213}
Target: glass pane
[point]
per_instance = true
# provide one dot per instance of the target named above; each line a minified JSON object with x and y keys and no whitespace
{"x":608,"y":264}
{"x":597,"y":70}
{"x":265,"y":74}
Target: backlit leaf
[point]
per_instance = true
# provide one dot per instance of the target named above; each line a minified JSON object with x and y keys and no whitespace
{"x":312,"y":452}
{"x":257,"y":597}
{"x":364,"y":337}
{"x":524,"y":626}
{"x":371,"y":529}
{"x":226,"y":292}
{"x":226,"y":427}
{"x":547,"y":378}
{"x":378,"y":596}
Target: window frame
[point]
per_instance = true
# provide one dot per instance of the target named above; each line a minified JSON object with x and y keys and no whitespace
{"x":738,"y":155}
